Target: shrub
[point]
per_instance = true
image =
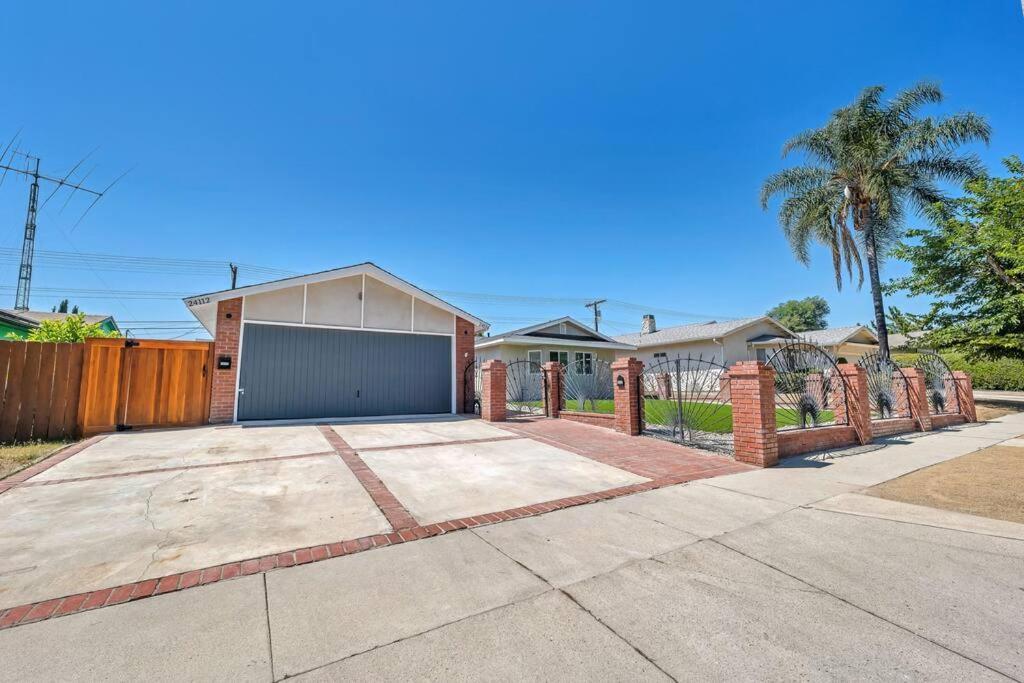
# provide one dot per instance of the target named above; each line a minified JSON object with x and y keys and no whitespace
{"x":1000,"y":374}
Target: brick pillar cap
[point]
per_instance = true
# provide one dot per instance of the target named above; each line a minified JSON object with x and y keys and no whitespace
{"x":850,"y":368}
{"x":624,"y":362}
{"x":751,"y":368}
{"x":491,"y":363}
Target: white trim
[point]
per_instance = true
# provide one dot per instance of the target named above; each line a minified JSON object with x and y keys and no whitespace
{"x":305,"y":292}
{"x":551,"y":341}
{"x":363,"y":269}
{"x":412,"y":323}
{"x":425,"y":417}
{"x":341,"y":327}
{"x":455,"y":360}
{"x":238,"y":361}
{"x":362,"y":303}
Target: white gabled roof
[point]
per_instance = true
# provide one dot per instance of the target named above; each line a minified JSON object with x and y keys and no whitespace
{"x":204,"y":306}
{"x":695,"y":332}
{"x":523,"y":337}
{"x":835,"y":336}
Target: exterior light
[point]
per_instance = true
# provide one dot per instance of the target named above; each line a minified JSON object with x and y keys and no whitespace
{"x":620,"y":382}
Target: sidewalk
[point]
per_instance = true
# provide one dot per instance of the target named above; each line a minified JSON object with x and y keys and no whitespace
{"x":781,"y":573}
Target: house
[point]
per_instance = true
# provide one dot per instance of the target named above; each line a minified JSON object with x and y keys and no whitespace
{"x":846,"y":344}
{"x":355,"y":341}
{"x":565,"y":340}
{"x":722,"y":342}
{"x":20,"y":323}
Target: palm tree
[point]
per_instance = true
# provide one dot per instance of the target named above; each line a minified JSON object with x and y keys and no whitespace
{"x":868,"y":164}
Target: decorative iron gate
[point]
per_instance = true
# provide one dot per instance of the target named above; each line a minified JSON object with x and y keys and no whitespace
{"x":687,"y":400}
{"x":809,"y":389}
{"x":939,"y":381}
{"x":888,"y":387}
{"x":587,"y":386}
{"x":472,"y":385}
{"x":526,"y":389}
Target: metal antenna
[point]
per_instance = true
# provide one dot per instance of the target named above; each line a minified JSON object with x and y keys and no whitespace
{"x":28,"y":245}
{"x":596,"y":305}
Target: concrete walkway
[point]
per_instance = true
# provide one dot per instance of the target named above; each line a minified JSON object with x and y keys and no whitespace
{"x":781,"y":573}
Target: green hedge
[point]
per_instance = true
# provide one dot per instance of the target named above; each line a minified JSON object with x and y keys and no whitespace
{"x":1005,"y":373}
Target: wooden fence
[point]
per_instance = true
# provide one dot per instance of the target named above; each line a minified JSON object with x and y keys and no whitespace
{"x":62,"y":391}
{"x":40,"y":390}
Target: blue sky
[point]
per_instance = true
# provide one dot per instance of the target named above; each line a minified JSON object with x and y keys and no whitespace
{"x":563,"y":150}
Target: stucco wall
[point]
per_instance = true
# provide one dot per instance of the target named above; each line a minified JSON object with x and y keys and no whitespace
{"x":513,"y":352}
{"x":335,"y":302}
{"x":732,"y":349}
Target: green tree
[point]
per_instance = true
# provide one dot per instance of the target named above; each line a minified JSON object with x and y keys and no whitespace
{"x":973,"y":263}
{"x":800,"y":315}
{"x":904,"y":323}
{"x":62,"y":307}
{"x":70,"y":329}
{"x":866,"y":166}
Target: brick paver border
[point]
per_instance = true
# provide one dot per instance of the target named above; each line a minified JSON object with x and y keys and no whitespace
{"x":57,"y":458}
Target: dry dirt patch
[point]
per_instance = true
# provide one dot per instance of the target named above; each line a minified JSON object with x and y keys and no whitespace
{"x":989,"y":483}
{"x":991,"y":412}
{"x":17,"y":457}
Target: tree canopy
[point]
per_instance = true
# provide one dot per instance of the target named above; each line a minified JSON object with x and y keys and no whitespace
{"x":973,"y":262}
{"x":73,"y":328}
{"x":871,"y":162}
{"x":800,"y":315}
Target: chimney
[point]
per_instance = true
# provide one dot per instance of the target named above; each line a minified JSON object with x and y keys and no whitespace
{"x":648,"y":326}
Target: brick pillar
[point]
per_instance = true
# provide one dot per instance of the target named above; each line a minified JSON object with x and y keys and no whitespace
{"x":919,"y":408}
{"x":814,"y":386}
{"x":627,"y":396}
{"x":492,"y":394}
{"x":223,"y":388}
{"x":465,"y":338}
{"x":755,"y":439}
{"x":553,"y":372}
{"x":664,"y":382}
{"x":858,"y":400}
{"x":965,"y":395}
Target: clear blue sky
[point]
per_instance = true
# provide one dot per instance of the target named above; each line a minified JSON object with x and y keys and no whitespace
{"x":563,"y":150}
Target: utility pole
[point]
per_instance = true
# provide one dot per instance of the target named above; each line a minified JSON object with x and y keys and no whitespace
{"x":28,"y":244}
{"x":234,"y":274}
{"x":596,"y":305}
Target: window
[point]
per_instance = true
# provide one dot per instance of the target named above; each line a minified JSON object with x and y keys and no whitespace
{"x":559,"y":357}
{"x":761,"y":355}
{"x":660,"y":356}
{"x":534,"y":357}
{"x":584,"y":363}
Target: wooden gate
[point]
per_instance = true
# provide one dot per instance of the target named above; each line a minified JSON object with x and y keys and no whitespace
{"x":140,"y":383}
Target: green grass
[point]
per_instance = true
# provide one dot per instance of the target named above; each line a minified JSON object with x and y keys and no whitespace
{"x":16,"y":457}
{"x":709,"y":417}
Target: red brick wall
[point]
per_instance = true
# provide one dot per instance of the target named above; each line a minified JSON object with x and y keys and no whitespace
{"x":752,"y":386}
{"x":919,"y":408}
{"x":627,"y":407}
{"x":893,"y":425}
{"x":947,"y":419}
{"x":965,"y":395}
{"x":553,"y":382}
{"x":222,"y":392}
{"x":796,"y":441}
{"x":492,"y":396}
{"x":858,"y":401}
{"x":595,"y":419}
{"x":465,"y":353}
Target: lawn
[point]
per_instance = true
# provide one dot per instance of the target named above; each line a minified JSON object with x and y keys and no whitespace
{"x":706,"y":417}
{"x":19,"y":456}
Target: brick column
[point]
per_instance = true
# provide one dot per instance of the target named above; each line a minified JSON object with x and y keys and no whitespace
{"x":755,"y":439}
{"x":553,"y":372}
{"x":223,"y":387}
{"x":858,"y":400}
{"x":965,"y":395}
{"x":627,"y":396}
{"x":465,"y":339}
{"x":919,"y":408}
{"x":492,"y":394}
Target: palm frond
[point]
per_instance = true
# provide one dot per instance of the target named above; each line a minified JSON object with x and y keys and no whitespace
{"x":795,"y":180}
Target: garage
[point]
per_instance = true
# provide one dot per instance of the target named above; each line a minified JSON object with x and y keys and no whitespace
{"x":346,"y":343}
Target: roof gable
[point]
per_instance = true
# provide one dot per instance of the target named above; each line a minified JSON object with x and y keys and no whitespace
{"x":566,"y":327}
{"x":681,"y":334}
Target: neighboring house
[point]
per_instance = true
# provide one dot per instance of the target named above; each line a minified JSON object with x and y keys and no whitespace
{"x":20,"y":323}
{"x":564,"y":340}
{"x":349,"y":342}
{"x":844,"y":343}
{"x":722,"y":342}
{"x":906,"y":342}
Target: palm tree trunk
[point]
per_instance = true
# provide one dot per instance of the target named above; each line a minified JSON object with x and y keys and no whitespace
{"x":876,"y":288}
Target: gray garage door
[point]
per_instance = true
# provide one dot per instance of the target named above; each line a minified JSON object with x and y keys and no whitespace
{"x":303,"y":372}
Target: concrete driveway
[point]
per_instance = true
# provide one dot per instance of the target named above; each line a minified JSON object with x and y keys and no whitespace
{"x":787,"y":573}
{"x":133,"y":514}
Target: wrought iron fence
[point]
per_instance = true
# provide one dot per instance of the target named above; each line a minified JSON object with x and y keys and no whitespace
{"x":472,"y":383}
{"x":687,"y":400}
{"x":587,"y":385}
{"x":809,"y":389}
{"x":526,"y":389}
{"x":888,"y":387}
{"x":939,"y":383}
